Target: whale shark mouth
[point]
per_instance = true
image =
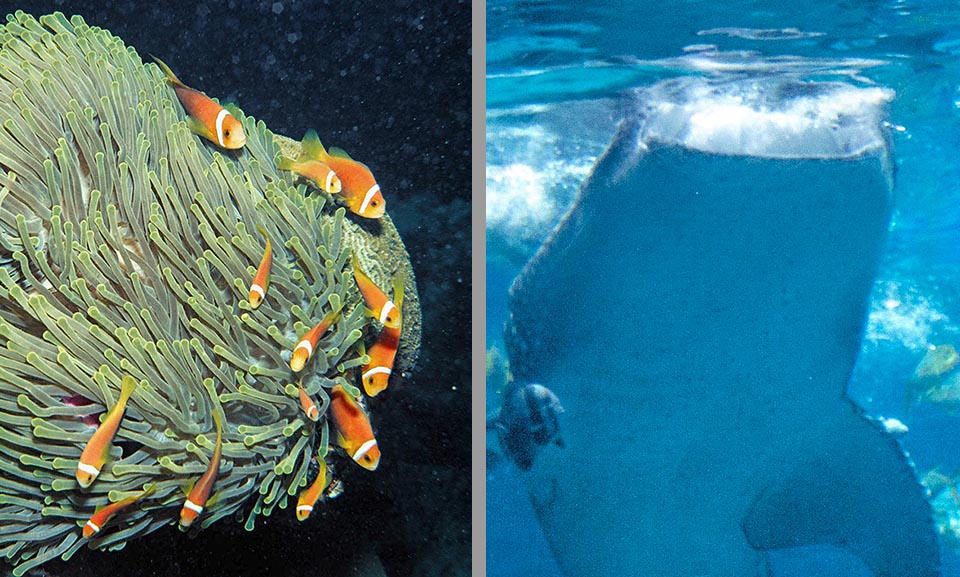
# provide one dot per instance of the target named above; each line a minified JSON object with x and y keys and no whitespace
{"x":698,"y":313}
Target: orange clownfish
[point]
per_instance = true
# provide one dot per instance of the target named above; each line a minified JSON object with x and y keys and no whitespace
{"x":207,"y":118}
{"x":304,"y":349}
{"x":359,"y":188}
{"x":380,"y":306}
{"x":103,"y":514}
{"x":354,"y":432}
{"x":98,"y":447}
{"x":309,"y":166}
{"x":309,"y":407}
{"x":377,"y":372}
{"x":197,"y":499}
{"x":258,"y":288}
{"x":309,"y":497}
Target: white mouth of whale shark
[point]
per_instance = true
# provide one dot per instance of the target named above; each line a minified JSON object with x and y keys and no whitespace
{"x":700,"y":308}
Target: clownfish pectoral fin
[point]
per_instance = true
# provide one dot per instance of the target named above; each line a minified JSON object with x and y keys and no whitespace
{"x":199,"y":128}
{"x":171,"y":77}
{"x":398,"y":289}
{"x":213,"y":500}
{"x":311,"y":147}
{"x":186,"y":487}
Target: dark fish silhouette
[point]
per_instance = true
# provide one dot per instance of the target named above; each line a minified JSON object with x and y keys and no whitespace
{"x":528,"y":420}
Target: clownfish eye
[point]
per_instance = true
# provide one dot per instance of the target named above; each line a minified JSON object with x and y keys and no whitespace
{"x":226,"y":132}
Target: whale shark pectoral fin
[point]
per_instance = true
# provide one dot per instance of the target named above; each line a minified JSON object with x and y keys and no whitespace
{"x":856,"y":491}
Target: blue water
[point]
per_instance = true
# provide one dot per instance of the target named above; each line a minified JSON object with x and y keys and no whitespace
{"x":559,"y":75}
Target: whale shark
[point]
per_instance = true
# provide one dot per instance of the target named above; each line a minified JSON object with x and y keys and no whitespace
{"x":698,"y":312}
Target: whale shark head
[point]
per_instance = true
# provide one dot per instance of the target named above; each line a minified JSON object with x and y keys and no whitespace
{"x":698,"y":312}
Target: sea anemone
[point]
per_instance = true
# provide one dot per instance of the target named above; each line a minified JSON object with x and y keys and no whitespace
{"x":127,"y":246}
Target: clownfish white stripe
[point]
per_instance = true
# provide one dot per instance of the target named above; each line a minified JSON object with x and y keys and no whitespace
{"x":93,"y":526}
{"x":88,"y":469}
{"x":313,"y":412}
{"x":329,"y":185}
{"x":220,"y":116}
{"x":377,"y":370}
{"x":387,"y":307}
{"x":257,"y":289}
{"x":366,"y":199}
{"x":364,"y":448}
{"x":304,"y":508}
{"x":193,"y":506}
{"x":304,"y":345}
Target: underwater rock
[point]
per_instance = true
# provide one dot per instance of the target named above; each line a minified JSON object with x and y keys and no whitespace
{"x":127,"y":247}
{"x":699,"y":311}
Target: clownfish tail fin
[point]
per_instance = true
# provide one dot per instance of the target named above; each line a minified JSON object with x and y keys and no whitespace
{"x":311,"y":147}
{"x":127,"y":385}
{"x":171,"y":77}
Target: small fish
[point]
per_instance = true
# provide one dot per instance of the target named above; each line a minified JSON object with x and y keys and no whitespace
{"x":359,"y":189}
{"x":335,"y":489}
{"x":381,"y":308}
{"x":528,"y":420}
{"x":354,"y":432}
{"x":258,"y":288}
{"x":308,"y":166}
{"x":376,"y":373}
{"x":98,"y":447}
{"x":197,"y":499}
{"x":308,"y":405}
{"x":309,"y":497}
{"x":304,"y":349}
{"x":207,"y":118}
{"x":103,"y":514}
{"x":91,"y":420}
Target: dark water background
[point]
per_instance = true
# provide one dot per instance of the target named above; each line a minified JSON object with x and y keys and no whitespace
{"x":389,"y":82}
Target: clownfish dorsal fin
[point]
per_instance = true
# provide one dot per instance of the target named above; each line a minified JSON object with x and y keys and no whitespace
{"x":171,"y":77}
{"x":311,"y":147}
{"x":339,"y":153}
{"x":233,"y":109}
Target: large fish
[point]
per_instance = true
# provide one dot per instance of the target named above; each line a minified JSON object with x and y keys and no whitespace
{"x":699,"y":311}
